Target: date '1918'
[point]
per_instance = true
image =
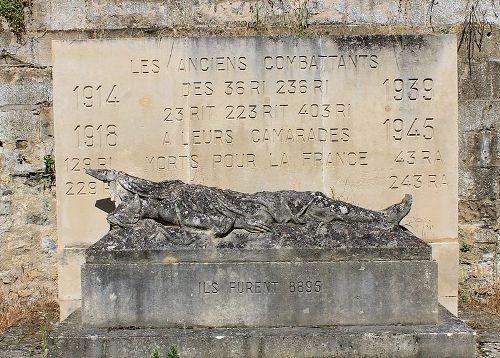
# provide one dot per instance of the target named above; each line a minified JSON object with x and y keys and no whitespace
{"x":96,"y":135}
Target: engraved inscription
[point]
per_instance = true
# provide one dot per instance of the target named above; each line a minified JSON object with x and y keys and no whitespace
{"x":89,"y":96}
{"x":144,"y":66}
{"x":367,"y":118}
{"x":418,"y":181}
{"x":399,"y":129}
{"x":304,"y":286}
{"x":411,"y":88}
{"x":263,"y":287}
{"x":96,"y":135}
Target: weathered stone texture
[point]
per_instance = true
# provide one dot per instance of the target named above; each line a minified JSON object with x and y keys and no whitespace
{"x":57,"y":15}
{"x":127,"y":13}
{"x":27,"y":224}
{"x":27,"y":200}
{"x":18,"y":125}
{"x":95,"y":15}
{"x":479,"y":183}
{"x":24,"y":86}
{"x":449,"y":338}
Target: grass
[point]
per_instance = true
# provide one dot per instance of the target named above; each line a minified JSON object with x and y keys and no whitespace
{"x":485,"y":298}
{"x":28,"y":321}
{"x":172,"y":353}
{"x":38,"y":310}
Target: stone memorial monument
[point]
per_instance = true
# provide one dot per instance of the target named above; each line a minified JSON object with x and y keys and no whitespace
{"x":221,"y":273}
{"x":241,"y":170}
{"x":364,"y":119}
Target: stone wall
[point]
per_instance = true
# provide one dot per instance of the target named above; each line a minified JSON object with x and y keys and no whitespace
{"x":28,"y":257}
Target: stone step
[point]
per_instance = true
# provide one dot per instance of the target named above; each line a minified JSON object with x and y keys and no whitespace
{"x":259,"y":294}
{"x":449,"y":338}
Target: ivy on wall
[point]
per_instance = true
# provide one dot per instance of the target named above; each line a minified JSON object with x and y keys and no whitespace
{"x":13,"y":12}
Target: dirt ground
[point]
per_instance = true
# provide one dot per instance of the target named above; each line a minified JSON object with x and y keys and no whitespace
{"x":487,"y":326}
{"x":26,"y":337}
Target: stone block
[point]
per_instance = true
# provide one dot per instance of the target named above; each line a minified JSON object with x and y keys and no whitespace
{"x":259,"y":294}
{"x":496,"y":148}
{"x":25,"y":86}
{"x":468,"y":150}
{"x":386,"y":12}
{"x":57,"y":15}
{"x":48,"y":245}
{"x":490,"y":44}
{"x":471,"y":211}
{"x":46,"y":124}
{"x":181,"y":12}
{"x":117,"y":14}
{"x":15,"y":53}
{"x":329,"y":12}
{"x":224,"y":13}
{"x":442,"y":13}
{"x":485,"y":235}
{"x":487,"y":149}
{"x":449,"y":338}
{"x":479,"y":149}
{"x":19,"y":125}
{"x":473,"y":80}
{"x":298,"y":150}
{"x":477,"y":115}
{"x":446,"y":255}
{"x":478,"y":183}
{"x":494,"y":68}
{"x":70,"y":260}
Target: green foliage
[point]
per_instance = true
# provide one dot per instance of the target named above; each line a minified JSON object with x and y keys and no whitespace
{"x":50,"y":168}
{"x":258,"y":14}
{"x":13,"y":12}
{"x":43,"y":345}
{"x":21,"y":158}
{"x":172,"y":353}
{"x":465,"y":247}
{"x":302,"y":15}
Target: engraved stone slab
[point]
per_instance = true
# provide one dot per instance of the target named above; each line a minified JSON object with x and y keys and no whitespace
{"x":366,"y":119}
{"x":257,"y":294}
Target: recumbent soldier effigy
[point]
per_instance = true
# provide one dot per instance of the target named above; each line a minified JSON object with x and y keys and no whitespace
{"x":173,"y":203}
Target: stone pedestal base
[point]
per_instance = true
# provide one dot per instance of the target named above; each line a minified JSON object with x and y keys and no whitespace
{"x":259,"y":294}
{"x":388,"y":278}
{"x":449,"y":338}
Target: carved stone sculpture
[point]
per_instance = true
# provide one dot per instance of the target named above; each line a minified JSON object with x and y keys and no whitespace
{"x":218,"y":212}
